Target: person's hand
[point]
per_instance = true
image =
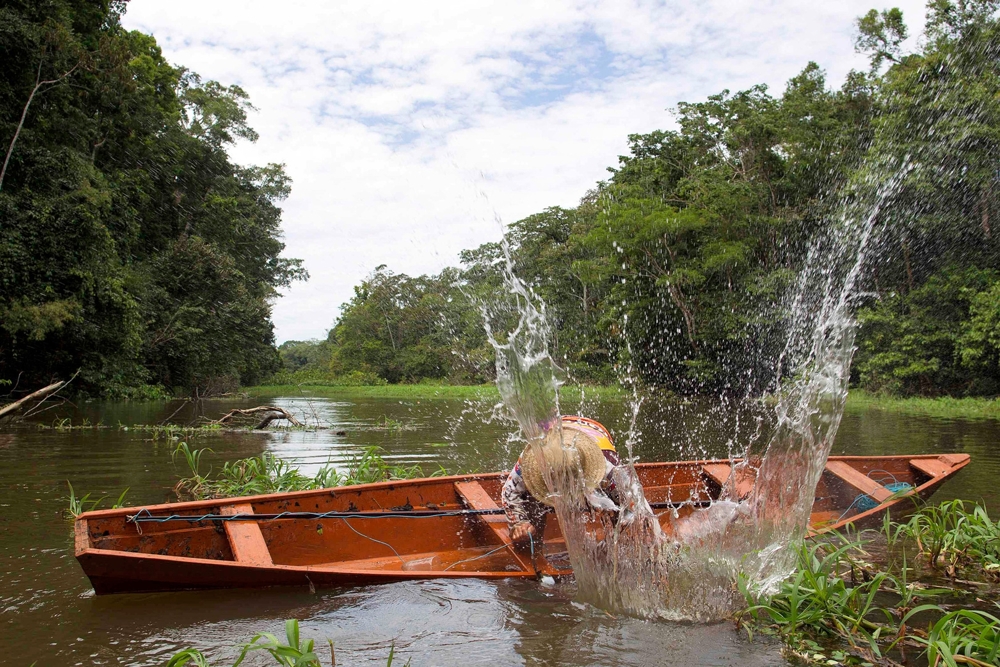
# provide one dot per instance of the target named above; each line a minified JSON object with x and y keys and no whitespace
{"x":521,"y":530}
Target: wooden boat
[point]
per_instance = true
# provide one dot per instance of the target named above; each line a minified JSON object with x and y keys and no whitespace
{"x":428,"y":528}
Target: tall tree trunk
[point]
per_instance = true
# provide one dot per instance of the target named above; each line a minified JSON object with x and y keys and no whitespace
{"x":906,"y":262}
{"x":984,"y":209}
{"x":678,"y":298}
{"x":24,"y":113}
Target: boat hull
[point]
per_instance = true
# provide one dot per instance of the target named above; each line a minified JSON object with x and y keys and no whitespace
{"x":464,"y":535}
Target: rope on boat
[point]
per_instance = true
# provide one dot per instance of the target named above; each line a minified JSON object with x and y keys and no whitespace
{"x":145,"y":516}
{"x":369,"y":537}
{"x":863,"y":502}
{"x":488,"y":553}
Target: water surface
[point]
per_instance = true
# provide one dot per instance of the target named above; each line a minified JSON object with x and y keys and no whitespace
{"x":49,"y":614}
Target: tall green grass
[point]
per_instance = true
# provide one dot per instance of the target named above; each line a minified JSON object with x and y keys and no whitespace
{"x":292,"y":652}
{"x":268,"y":473}
{"x":837,"y":606}
{"x":954,"y":538}
{"x":946,"y":407}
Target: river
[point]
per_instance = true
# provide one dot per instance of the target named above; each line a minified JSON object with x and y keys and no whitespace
{"x":51,"y":616}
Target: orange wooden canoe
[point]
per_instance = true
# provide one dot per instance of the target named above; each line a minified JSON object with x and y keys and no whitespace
{"x":425,"y":528}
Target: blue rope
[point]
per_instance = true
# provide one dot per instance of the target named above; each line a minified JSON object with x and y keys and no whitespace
{"x":863,"y":502}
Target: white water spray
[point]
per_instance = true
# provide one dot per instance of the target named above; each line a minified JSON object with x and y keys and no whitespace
{"x":691,"y":571}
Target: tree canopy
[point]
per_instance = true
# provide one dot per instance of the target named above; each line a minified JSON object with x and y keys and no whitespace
{"x":678,"y":264}
{"x":132,"y":248}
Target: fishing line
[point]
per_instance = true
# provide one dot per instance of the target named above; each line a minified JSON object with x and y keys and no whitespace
{"x":374,"y":540}
{"x":144,"y":515}
{"x":458,"y":562}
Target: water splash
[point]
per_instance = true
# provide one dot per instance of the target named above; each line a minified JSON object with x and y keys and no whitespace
{"x":690,"y":570}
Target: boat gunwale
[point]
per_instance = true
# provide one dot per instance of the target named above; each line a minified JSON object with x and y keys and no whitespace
{"x":420,"y":481}
{"x":306,"y":569}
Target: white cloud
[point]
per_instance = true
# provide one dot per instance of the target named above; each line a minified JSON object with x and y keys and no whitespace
{"x":406,"y":127}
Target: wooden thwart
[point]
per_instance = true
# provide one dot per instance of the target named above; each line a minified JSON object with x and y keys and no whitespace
{"x":858,"y":480}
{"x":721,"y":472}
{"x":245,"y":538}
{"x":475,"y":497}
{"x":930,"y":467}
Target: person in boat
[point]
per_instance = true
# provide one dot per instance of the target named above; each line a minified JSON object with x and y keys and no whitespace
{"x":583,"y":443}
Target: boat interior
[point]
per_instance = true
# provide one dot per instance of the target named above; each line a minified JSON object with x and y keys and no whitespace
{"x":470,"y":543}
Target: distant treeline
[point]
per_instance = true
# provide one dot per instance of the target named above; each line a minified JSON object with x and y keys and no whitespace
{"x":131,"y":248}
{"x":677,"y":266}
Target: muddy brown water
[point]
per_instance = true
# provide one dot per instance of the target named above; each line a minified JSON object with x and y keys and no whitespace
{"x":50,"y":616}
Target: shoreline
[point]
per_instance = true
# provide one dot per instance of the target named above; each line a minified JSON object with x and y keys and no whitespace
{"x":859,"y":401}
{"x":943,"y":407}
{"x":422,"y":391}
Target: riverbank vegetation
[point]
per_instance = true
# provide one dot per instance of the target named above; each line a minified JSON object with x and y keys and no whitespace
{"x":425,"y":390}
{"x":858,"y":400}
{"x":925,"y":585}
{"x":677,"y":265}
{"x":132,"y":248}
{"x":135,"y":250}
{"x":268,"y":473}
{"x":944,"y":407}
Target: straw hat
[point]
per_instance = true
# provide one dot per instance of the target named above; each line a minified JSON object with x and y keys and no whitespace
{"x":578,"y":449}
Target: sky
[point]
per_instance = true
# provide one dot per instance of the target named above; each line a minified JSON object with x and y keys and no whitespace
{"x":414,"y":130}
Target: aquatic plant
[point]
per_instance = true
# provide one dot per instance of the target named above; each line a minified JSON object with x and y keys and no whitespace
{"x":384,"y":423}
{"x":953,"y":538}
{"x":817,"y":603}
{"x":963,"y":636}
{"x":173,"y":432}
{"x":268,"y":473}
{"x":79,"y":505}
{"x":194,"y":484}
{"x":293,"y":652}
{"x":837,"y":599}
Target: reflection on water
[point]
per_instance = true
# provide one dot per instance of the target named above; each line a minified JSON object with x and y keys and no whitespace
{"x":49,"y":614}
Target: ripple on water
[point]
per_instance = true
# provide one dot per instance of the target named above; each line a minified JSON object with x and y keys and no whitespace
{"x":45,"y":599}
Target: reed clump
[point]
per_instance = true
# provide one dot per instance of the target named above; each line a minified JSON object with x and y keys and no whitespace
{"x":955,"y":539}
{"x":268,"y":473}
{"x":840,"y":608}
{"x":80,"y":504}
{"x":292,"y":652}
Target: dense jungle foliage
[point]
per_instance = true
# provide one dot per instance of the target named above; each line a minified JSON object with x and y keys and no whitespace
{"x":676,"y":267}
{"x":131,"y":248}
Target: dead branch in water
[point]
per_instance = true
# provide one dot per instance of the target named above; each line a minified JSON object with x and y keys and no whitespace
{"x":41,"y":393}
{"x":266,"y":414}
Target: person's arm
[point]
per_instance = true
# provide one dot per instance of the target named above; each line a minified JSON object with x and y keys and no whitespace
{"x":515,"y":501}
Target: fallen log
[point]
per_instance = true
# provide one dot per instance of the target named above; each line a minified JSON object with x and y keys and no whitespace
{"x":265,"y":413}
{"x":41,"y":393}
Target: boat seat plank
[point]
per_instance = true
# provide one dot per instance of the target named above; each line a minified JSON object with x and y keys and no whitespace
{"x":858,"y":480}
{"x":930,"y":467}
{"x":721,"y":472}
{"x":245,"y":538}
{"x":475,"y":497}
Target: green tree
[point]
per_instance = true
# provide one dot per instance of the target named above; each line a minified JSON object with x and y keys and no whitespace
{"x":131,"y":247}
